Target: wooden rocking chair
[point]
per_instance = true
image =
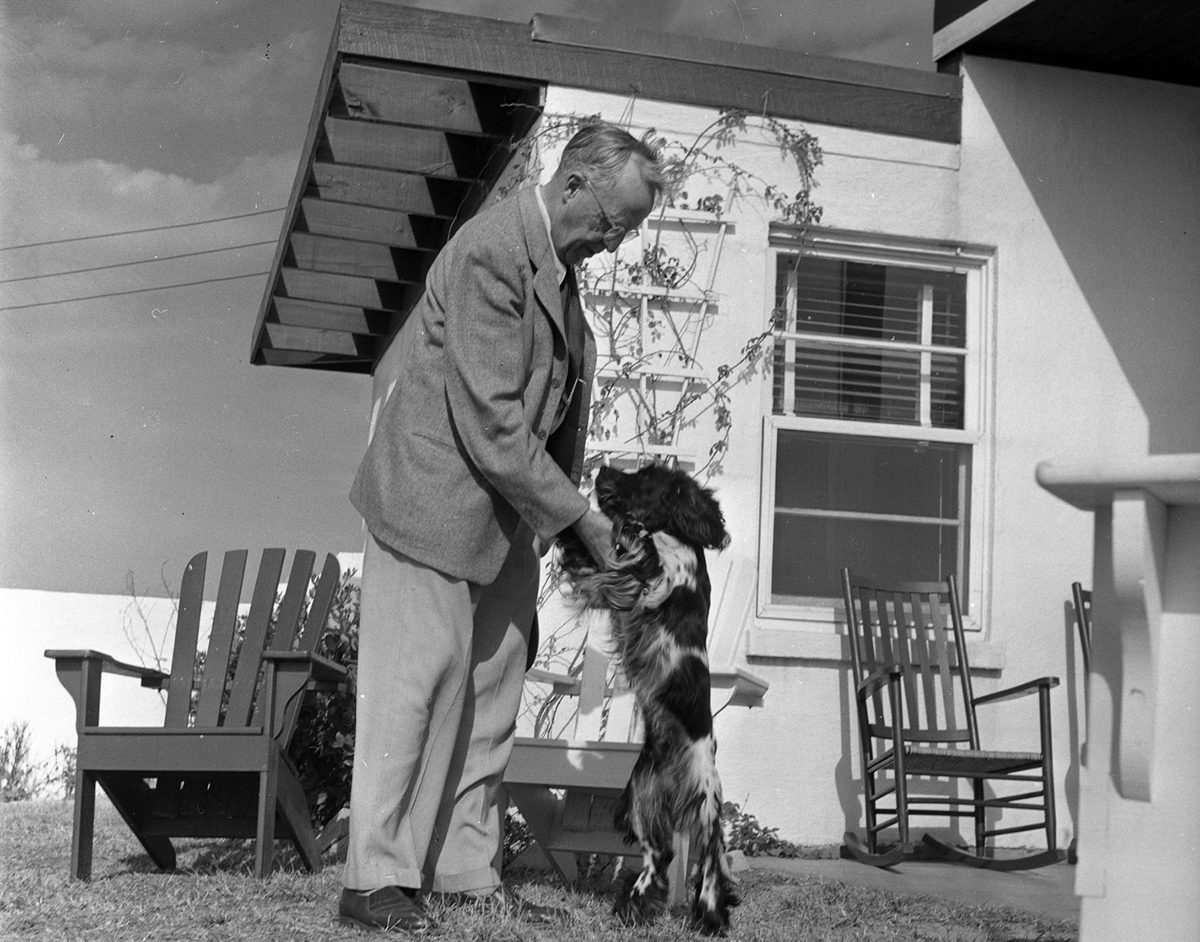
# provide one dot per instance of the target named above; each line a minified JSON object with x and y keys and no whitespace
{"x":916,"y":720}
{"x":1081,"y":599}
{"x":219,"y":766}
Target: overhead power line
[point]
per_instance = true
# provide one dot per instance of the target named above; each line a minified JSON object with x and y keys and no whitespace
{"x":112,"y":294}
{"x":105,"y":235}
{"x":141,"y":261}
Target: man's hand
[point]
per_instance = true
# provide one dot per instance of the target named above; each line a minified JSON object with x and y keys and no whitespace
{"x":595,"y":530}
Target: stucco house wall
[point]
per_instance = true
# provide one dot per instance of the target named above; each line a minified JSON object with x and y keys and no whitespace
{"x":1084,"y":189}
{"x":1090,"y":203}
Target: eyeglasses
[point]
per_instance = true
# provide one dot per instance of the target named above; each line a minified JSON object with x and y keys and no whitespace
{"x":614,"y":234}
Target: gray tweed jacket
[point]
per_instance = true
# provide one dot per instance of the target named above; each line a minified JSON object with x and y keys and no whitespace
{"x":463,"y":449}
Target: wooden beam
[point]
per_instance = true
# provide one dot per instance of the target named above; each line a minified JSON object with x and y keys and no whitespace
{"x":407,"y":192}
{"x":398,"y":147}
{"x":300,"y":182}
{"x":411,"y":35}
{"x":342,"y":289}
{"x":314,"y":361}
{"x":368,"y":259}
{"x":371,"y":224}
{"x":426,"y":98}
{"x":957,"y":33}
{"x":352,"y":320}
{"x":616,"y":36}
{"x":311,"y":340}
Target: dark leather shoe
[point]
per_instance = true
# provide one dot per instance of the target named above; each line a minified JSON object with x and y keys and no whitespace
{"x":388,"y":908}
{"x":503,"y":901}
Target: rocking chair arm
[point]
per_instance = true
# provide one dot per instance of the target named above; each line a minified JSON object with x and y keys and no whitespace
{"x":1021,"y":690}
{"x":149,"y":677}
{"x":322,"y":670}
{"x":878,"y":678}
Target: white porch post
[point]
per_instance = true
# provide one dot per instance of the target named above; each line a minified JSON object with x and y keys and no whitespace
{"x":1139,"y":828}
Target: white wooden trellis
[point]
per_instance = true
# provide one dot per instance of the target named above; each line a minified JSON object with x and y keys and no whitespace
{"x":650,"y":377}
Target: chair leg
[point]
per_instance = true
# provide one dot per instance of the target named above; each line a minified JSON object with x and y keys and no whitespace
{"x":264,"y":850}
{"x":84,"y":825}
{"x":1048,"y":769}
{"x":977,"y":791}
{"x":132,"y":798}
{"x":294,"y":805}
{"x":677,"y":873}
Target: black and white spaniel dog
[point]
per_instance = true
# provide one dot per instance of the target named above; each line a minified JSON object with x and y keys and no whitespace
{"x":657,"y":588}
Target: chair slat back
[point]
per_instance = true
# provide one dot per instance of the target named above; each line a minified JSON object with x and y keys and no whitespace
{"x":308,"y":633}
{"x":254,"y":642}
{"x":594,"y":676}
{"x":916,"y":626}
{"x":296,"y":624}
{"x":220,"y":640}
{"x":187,"y":630}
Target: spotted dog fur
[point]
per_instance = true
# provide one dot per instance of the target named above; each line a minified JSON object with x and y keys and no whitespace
{"x":657,"y":588}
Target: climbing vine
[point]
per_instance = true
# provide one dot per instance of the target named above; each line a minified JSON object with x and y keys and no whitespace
{"x":650,"y":306}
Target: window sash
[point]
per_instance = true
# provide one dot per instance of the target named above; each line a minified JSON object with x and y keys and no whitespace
{"x":830,"y":372}
{"x":973,"y":262}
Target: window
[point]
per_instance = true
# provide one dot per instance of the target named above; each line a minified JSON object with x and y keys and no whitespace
{"x":874,"y":440}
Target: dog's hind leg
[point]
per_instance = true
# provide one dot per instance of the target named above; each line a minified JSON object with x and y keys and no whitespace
{"x":715,"y":894}
{"x":643,"y":896}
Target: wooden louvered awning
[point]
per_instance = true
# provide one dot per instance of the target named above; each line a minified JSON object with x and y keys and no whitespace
{"x":397,"y":155}
{"x":419,"y":112}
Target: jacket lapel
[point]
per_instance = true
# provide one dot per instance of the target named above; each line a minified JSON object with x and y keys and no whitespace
{"x":541,"y":254}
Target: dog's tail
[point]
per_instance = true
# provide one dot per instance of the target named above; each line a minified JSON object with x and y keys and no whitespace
{"x":715,"y":893}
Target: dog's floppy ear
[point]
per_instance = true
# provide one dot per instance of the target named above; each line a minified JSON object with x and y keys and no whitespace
{"x":698,"y":517}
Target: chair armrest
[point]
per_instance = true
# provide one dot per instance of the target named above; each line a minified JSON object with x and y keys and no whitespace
{"x":154,"y":679}
{"x":746,"y":689}
{"x":322,"y":669}
{"x":1021,"y":690}
{"x":878,"y":678}
{"x":562,"y":683}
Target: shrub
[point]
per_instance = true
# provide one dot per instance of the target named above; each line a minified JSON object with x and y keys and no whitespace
{"x":323,"y":745}
{"x":744,"y":832}
{"x":20,"y":777}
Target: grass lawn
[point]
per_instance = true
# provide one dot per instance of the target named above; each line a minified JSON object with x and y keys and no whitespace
{"x":213,"y":897}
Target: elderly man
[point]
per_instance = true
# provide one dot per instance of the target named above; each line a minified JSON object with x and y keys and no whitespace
{"x":473,"y":468}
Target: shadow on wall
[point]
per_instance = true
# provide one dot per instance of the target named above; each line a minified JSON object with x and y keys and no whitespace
{"x":1114,"y":166}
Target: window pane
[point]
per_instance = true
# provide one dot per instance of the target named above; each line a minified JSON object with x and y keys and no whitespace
{"x":860,"y":301}
{"x":820,"y":477}
{"x":817,"y":471}
{"x":810,"y":552}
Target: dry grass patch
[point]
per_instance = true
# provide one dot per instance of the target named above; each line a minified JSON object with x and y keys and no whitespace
{"x":213,"y":896}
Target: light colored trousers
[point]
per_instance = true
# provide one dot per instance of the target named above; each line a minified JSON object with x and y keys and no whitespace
{"x":441,"y":667}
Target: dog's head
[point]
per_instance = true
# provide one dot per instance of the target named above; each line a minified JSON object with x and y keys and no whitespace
{"x":663,"y":500}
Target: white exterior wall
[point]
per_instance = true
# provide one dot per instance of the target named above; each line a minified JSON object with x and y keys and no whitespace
{"x":1089,"y":185}
{"x":1087,"y":188}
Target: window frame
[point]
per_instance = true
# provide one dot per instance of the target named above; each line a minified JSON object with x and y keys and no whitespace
{"x":978,"y":263}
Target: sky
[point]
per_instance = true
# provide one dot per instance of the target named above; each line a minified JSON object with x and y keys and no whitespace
{"x":133,"y":430}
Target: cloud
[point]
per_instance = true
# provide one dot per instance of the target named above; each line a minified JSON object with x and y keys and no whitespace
{"x":170,"y":102}
{"x":60,"y":200}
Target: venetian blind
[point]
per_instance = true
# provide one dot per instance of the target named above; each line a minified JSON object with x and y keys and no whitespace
{"x":870,"y":342}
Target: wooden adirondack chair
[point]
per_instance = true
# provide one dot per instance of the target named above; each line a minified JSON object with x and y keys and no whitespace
{"x":567,"y":788}
{"x":219,"y":766}
{"x":917,"y":723}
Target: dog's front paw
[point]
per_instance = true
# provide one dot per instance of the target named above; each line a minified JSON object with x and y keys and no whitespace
{"x":640,"y":901}
{"x":710,"y":911}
